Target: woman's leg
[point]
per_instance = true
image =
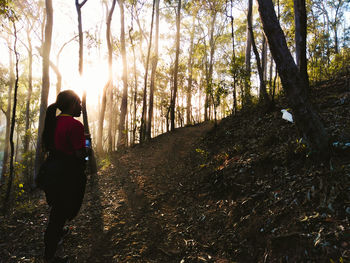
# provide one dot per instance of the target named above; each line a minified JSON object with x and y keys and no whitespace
{"x":54,"y":230}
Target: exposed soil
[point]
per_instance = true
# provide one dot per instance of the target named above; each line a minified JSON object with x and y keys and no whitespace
{"x":246,"y":191}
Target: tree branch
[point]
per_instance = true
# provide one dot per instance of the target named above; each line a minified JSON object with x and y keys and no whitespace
{"x":82,"y":4}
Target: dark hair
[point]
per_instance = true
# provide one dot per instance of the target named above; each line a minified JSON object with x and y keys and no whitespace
{"x":64,"y":100}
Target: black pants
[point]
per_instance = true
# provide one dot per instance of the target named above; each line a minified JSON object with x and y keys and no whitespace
{"x":54,"y":230}
{"x":65,"y":204}
{"x":64,"y":189}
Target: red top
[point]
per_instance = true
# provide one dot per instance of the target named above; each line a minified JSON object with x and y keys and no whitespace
{"x":69,"y":134}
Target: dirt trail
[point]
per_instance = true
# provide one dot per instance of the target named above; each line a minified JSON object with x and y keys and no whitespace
{"x":130,"y":211}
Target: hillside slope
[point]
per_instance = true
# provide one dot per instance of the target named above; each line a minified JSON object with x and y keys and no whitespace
{"x":242,"y":192}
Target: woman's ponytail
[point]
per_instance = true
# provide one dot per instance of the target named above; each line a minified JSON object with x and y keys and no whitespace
{"x":48,"y":136}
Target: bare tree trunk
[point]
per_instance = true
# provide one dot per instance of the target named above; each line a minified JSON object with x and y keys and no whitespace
{"x":264,"y":98}
{"x":135,"y":89}
{"x":176,"y":68}
{"x":101,"y":118}
{"x":190,"y":71}
{"x":123,"y":134}
{"x":8,"y":117}
{"x":306,"y":118}
{"x":234,"y":69}
{"x":58,"y":75}
{"x":144,"y":101}
{"x":335,"y":26}
{"x":109,"y":83}
{"x":270,"y":74}
{"x":264,"y":58}
{"x":300,"y":39}
{"x":13,"y":121}
{"x":45,"y":83}
{"x":209,"y":70}
{"x":111,"y":120}
{"x":78,"y":7}
{"x":27,"y":133}
{"x":92,"y":160}
{"x":153,"y":76}
{"x":247,"y":96}
{"x":29,"y":95}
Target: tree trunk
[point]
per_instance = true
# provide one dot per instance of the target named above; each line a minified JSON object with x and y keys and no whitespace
{"x":300,"y":39}
{"x":123,"y":134}
{"x":109,"y":83}
{"x":234,"y":68}
{"x":111,"y":120}
{"x":264,"y":58}
{"x":135,"y":89}
{"x":176,"y":67}
{"x":264,"y":98}
{"x":58,"y":75}
{"x":335,"y":26}
{"x":27,"y":133}
{"x":207,"y":82}
{"x":29,"y":95}
{"x":8,"y":117}
{"x":78,"y":7}
{"x":306,"y":118}
{"x":209,"y":69}
{"x":190,"y":71}
{"x":153,"y":76}
{"x":247,"y":96}
{"x":13,"y":121}
{"x":92,"y":160}
{"x":144,"y":100}
{"x":45,"y":83}
{"x":101,"y":118}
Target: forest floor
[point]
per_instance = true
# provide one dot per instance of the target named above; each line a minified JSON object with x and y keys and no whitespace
{"x":245,"y":191}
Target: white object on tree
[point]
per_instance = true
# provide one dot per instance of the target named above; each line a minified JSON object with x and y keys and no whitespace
{"x":287,"y":116}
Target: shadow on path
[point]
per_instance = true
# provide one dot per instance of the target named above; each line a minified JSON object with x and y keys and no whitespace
{"x":138,"y":200}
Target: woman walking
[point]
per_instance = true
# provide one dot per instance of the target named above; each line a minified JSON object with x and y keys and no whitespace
{"x":62,"y":175}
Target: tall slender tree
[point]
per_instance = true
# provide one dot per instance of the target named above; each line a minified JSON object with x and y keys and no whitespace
{"x":133,"y":122}
{"x":195,"y":10}
{"x":300,"y":19}
{"x":263,"y":93}
{"x":153,"y":75}
{"x":306,"y":118}
{"x":92,"y":160}
{"x":246,"y":94}
{"x":176,"y":66}
{"x":144,"y":99}
{"x":109,"y":83}
{"x":45,"y":82}
{"x":234,"y":69}
{"x":27,"y":131}
{"x":13,"y":119}
{"x":122,"y":132}
{"x":78,"y":7}
{"x":7,"y":113}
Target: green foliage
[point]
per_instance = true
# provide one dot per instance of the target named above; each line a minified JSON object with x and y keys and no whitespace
{"x":5,"y":7}
{"x":336,"y":65}
{"x":104,"y":162}
{"x":339,"y":62}
{"x":202,"y":152}
{"x":218,"y":91}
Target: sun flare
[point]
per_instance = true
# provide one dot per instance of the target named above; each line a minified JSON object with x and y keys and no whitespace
{"x":92,"y":81}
